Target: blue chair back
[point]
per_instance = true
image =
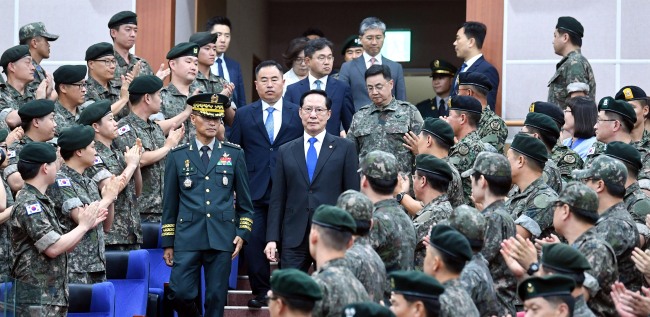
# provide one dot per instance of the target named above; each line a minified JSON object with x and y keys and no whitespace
{"x":92,"y":300}
{"x":129,"y":273}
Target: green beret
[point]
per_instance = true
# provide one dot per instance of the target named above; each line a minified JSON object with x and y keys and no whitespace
{"x":36,"y":108}
{"x":366,"y":309}
{"x":145,"y":84}
{"x":13,"y":54}
{"x":37,"y":152}
{"x":98,"y":50}
{"x":204,"y":38}
{"x":469,"y":222}
{"x":581,"y":198}
{"x":628,"y":93}
{"x":3,"y":135}
{"x":465,"y":103}
{"x":334,"y":218}
{"x":610,"y":170}
{"x":624,"y":152}
{"x":570,"y":24}
{"x":183,"y":49}
{"x":95,"y":112}
{"x":431,"y":164}
{"x":550,"y":109}
{"x":620,"y":107}
{"x":357,"y":204}
{"x":415,"y":283}
{"x":293,"y":283}
{"x":530,"y":146}
{"x":563,"y":258}
{"x":352,"y":41}
{"x":451,"y":242}
{"x":379,"y":165}
{"x":76,"y":137}
{"x":440,"y":129}
{"x":475,"y":79}
{"x":442,"y":67}
{"x":124,"y":17}
{"x":33,"y":30}
{"x":546,"y":286}
{"x":209,"y":105}
{"x":542,"y":122}
{"x":70,"y":74}
{"x":490,"y":164}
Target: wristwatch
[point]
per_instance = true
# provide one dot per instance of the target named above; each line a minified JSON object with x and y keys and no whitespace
{"x":533,"y":269}
{"x":400,"y":196}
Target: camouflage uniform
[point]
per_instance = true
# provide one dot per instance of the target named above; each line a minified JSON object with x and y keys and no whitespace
{"x":373,"y":128}
{"x":552,"y":176}
{"x":96,"y":92}
{"x":637,"y":203}
{"x":492,"y":129}
{"x":213,"y":84}
{"x":567,"y":160}
{"x":339,"y":287}
{"x":477,"y":281}
{"x":435,"y":211}
{"x":7,"y":260}
{"x":596,"y":149}
{"x":463,"y":154}
{"x":455,"y":190}
{"x":580,"y":308}
{"x":130,"y":128}
{"x":366,"y":265}
{"x":12,"y":155}
{"x":126,"y":230}
{"x":63,"y":117}
{"x":455,"y":301}
{"x":39,"y":76}
{"x":392,"y":235}
{"x":11,"y":99}
{"x":123,"y":67}
{"x":173,"y":103}
{"x":32,"y":234}
{"x":533,"y":208}
{"x":573,"y":68}
{"x":87,"y":263}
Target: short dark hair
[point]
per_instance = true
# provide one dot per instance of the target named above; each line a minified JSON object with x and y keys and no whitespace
{"x":317,"y":45}
{"x":66,"y":154}
{"x":135,"y":98}
{"x":301,"y":305}
{"x":328,"y":101}
{"x":268,"y":63}
{"x":475,"y":30}
{"x":438,"y":141}
{"x":28,"y":170}
{"x":435,"y":181}
{"x":535,"y":165}
{"x":217,"y":20}
{"x":479,"y":90}
{"x":453,"y":264}
{"x":296,"y":46}
{"x":432,"y":306}
{"x":573,"y":38}
{"x":363,"y":227}
{"x":382,"y":186}
{"x":585,"y":116}
{"x":632,"y":171}
{"x":26,"y":124}
{"x":313,"y":31}
{"x":472,"y":117}
{"x":616,"y":190}
{"x":586,"y":216}
{"x":626,"y":124}
{"x":379,"y":69}
{"x":497,"y":185}
{"x":546,"y":138}
{"x":332,"y":238}
{"x":566,"y":299}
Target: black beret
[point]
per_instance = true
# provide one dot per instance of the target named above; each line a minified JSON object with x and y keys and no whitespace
{"x":352,"y":41}
{"x":415,"y":283}
{"x":546,"y":286}
{"x":628,"y":93}
{"x":37,"y":108}
{"x":209,"y":105}
{"x":431,"y":164}
{"x":70,"y":74}
{"x":183,"y":49}
{"x":98,"y":50}
{"x":570,"y":24}
{"x":446,"y":239}
{"x":542,"y":122}
{"x":37,"y":152}
{"x":465,"y":103}
{"x":475,"y":79}
{"x":146,"y":84}
{"x":124,"y":17}
{"x":621,"y":107}
{"x":624,"y":152}
{"x":203,"y":38}
{"x":563,"y":258}
{"x":440,"y":129}
{"x":3,"y":135}
{"x":95,"y":112}
{"x":529,"y":146}
{"x":550,"y":109}
{"x":442,"y":67}
{"x":334,"y":218}
{"x":76,"y":137}
{"x":13,"y":54}
{"x":293,"y":283}
{"x":366,"y":309}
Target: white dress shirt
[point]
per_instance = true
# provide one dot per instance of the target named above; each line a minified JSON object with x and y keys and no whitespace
{"x":215,"y":67}
{"x":312,"y":82}
{"x":277,"y":116}
{"x":367,"y":58}
{"x":317,"y":145}
{"x":471,"y":61}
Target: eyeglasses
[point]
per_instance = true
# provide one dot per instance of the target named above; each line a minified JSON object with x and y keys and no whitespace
{"x":107,"y":62}
{"x":299,"y":60}
{"x":323,"y":58}
{"x":599,"y":120}
{"x":376,"y":87}
{"x":80,"y":85}
{"x":319,"y":111}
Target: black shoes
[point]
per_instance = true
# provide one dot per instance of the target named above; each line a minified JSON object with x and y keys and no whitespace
{"x":259,"y":301}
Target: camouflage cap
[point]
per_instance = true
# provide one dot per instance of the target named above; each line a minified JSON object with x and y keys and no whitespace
{"x":581,"y":197}
{"x":415,"y":283}
{"x":564,"y":258}
{"x":624,"y":152}
{"x":293,"y":283}
{"x":33,"y":30}
{"x":471,"y":223}
{"x":628,"y":93}
{"x":357,"y":204}
{"x":610,"y":170}
{"x":490,"y":164}
{"x":379,"y":165}
{"x":440,"y":129}
{"x":620,"y":107}
{"x":366,"y":309}
{"x":545,"y":286}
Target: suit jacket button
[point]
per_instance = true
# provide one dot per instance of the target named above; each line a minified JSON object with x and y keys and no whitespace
{"x":207,"y":202}
{"x":181,"y":219}
{"x":208,"y":215}
{"x":207,"y":190}
{"x":271,"y":149}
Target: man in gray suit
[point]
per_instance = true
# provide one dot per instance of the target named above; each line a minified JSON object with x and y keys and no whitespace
{"x":371,"y":33}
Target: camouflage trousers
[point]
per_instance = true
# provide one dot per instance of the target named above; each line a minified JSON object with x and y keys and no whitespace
{"x":151,"y":218}
{"x":42,"y":311}
{"x":86,"y":277}
{"x":122,"y":247}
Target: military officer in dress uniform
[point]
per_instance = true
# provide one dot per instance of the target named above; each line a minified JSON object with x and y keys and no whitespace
{"x":200,"y":227}
{"x":442,"y":77}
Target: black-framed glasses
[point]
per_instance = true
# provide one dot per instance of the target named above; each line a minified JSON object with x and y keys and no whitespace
{"x":80,"y":85}
{"x":599,"y":120}
{"x":107,"y":62}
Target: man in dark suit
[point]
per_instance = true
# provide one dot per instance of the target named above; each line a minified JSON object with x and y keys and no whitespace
{"x":310,"y":171}
{"x":226,"y":67}
{"x":371,"y":33}
{"x":468,"y":45}
{"x":260,"y":128}
{"x":320,"y":59}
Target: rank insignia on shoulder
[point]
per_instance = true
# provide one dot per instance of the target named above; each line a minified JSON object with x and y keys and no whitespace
{"x":232,"y":144}
{"x":98,"y":160}
{"x":33,"y":208}
{"x":123,"y":129}
{"x":63,"y":182}
{"x":180,"y":146}
{"x":11,"y":154}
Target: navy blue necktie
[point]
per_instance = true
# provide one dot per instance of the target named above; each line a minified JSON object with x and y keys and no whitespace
{"x":220,"y":67}
{"x":204,"y":155}
{"x":462,"y":69}
{"x":312,"y":158}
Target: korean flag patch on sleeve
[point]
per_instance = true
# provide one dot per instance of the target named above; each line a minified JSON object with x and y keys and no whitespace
{"x":63,"y":182}
{"x":33,"y":208}
{"x":98,"y":160}
{"x":11,"y":154}
{"x":123,"y":129}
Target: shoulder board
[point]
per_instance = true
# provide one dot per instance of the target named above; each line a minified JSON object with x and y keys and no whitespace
{"x":63,"y":182}
{"x":180,"y":147}
{"x":123,"y":129}
{"x":226,"y":143}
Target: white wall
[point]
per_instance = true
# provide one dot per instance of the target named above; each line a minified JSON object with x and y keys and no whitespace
{"x":185,"y":18}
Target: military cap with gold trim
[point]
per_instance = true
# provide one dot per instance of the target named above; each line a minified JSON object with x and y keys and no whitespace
{"x":37,"y":152}
{"x":475,"y":79}
{"x":440,"y":129}
{"x":442,"y":67}
{"x":570,"y":24}
{"x":465,"y":103}
{"x":416,"y":284}
{"x":209,"y":105}
{"x":146,"y":84}
{"x":366,"y":309}
{"x":13,"y":54}
{"x":295,"y":284}
{"x":183,"y":49}
{"x":545,"y":286}
{"x":620,"y":107}
{"x":628,"y":93}
{"x":98,"y":50}
{"x":70,"y":74}
{"x":95,"y":112}
{"x":334,"y":218}
{"x":550,"y":109}
{"x":529,"y":146}
{"x":203,"y":38}
{"x":123,"y":17}
{"x":76,"y":137}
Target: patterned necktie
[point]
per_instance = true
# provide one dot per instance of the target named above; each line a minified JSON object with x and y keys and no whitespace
{"x":462,"y":69}
{"x":442,"y":108}
{"x":204,"y":155}
{"x":269,"y":123}
{"x":312,"y":158}
{"x":372,"y":61}
{"x":220,"y":67}
{"x":318,"y":82}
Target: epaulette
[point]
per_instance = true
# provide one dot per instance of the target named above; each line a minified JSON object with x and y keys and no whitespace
{"x":226,"y":143}
{"x":180,"y":147}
